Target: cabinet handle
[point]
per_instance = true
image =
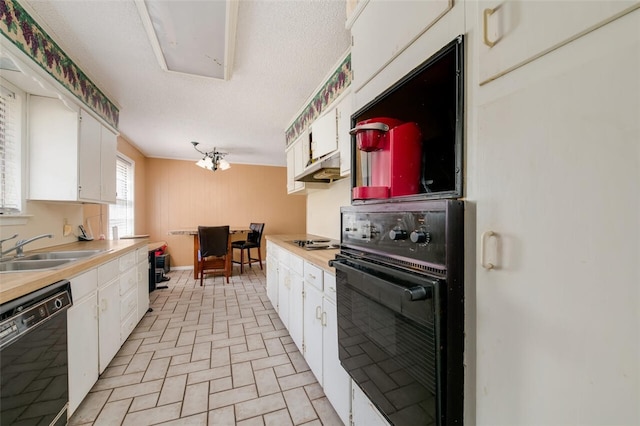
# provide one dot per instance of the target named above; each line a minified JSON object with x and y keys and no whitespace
{"x":323,"y":320}
{"x":318,"y":314}
{"x":313,"y":277}
{"x":485,"y":27}
{"x":104,"y":305}
{"x":483,"y":242}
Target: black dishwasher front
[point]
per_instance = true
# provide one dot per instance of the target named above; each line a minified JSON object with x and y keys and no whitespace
{"x":33,"y":356}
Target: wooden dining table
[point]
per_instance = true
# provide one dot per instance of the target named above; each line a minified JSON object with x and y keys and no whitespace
{"x":196,"y":244}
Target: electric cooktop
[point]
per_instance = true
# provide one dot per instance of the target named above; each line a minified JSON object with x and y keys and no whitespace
{"x":316,"y":244}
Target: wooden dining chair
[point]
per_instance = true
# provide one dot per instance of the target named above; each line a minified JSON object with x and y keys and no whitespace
{"x":253,"y":240}
{"x":214,"y":253}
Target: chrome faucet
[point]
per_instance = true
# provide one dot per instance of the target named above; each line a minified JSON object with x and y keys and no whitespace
{"x":21,"y":243}
{"x":2,"y":241}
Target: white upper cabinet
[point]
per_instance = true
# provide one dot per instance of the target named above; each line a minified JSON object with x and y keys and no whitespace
{"x":108,"y":153}
{"x":297,"y":158}
{"x":72,"y":156}
{"x":343,"y":112}
{"x":384,"y":29}
{"x":518,"y":31}
{"x":53,"y":150}
{"x":324,"y":134}
{"x":89,"y":164}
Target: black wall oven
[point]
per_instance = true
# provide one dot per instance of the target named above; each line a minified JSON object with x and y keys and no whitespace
{"x":400,"y":301}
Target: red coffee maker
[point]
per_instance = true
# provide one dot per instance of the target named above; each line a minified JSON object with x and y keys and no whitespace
{"x":389,"y":157}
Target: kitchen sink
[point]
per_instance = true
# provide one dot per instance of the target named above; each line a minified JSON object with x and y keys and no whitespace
{"x":55,"y":255}
{"x":23,"y":265}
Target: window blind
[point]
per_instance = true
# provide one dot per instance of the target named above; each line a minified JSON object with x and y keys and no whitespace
{"x":121,"y":213}
{"x":10,"y":152}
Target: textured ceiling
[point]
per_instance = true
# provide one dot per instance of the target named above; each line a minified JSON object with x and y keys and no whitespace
{"x":284,"y":49}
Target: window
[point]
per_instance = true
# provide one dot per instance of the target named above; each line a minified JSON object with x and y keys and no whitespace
{"x":121,"y":213}
{"x":10,"y":149}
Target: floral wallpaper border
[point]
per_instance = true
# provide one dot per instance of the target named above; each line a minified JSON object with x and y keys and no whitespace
{"x":337,"y":83}
{"x":24,"y":32}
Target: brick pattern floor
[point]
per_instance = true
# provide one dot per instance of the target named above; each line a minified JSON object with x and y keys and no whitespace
{"x":211,"y":355}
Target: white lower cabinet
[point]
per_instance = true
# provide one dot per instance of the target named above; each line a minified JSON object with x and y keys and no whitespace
{"x":82,"y":337}
{"x":284,"y":289}
{"x":143,"y":282}
{"x":108,"y":302}
{"x":305,"y":299}
{"x":272,"y":274}
{"x":336,"y":381}
{"x":108,"y":313}
{"x":364,"y":413}
{"x":321,"y":340}
{"x":312,"y":347}
{"x":296,"y":311}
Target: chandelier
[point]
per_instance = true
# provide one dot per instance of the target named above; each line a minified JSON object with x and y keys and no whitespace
{"x":212,"y":160}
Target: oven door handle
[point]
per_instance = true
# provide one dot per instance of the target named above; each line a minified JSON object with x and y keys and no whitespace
{"x":367,"y":278}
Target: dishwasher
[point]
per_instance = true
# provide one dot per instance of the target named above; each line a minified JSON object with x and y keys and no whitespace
{"x":33,"y":357}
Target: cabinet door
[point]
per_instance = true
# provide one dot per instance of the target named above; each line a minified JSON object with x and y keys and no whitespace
{"x":272,"y":277}
{"x":300,"y":158}
{"x":296,"y":319}
{"x":82,"y":326}
{"x":385,"y":28}
{"x":524,"y":30}
{"x":143,"y":288}
{"x":89,"y":158}
{"x":363,"y":410}
{"x":324,"y":134}
{"x":344,"y":111}
{"x":557,"y":183}
{"x":108,"y":148}
{"x":313,"y":330}
{"x":284,"y":289}
{"x":290,"y":171}
{"x":109,"y":322}
{"x":297,"y":157}
{"x":336,"y":381}
{"x":53,"y":150}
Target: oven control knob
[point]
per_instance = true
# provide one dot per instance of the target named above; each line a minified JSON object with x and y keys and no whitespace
{"x":398,"y":234}
{"x":420,"y":237}
{"x":417,"y":293}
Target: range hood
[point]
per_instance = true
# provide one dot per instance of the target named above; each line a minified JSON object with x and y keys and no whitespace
{"x":322,"y":171}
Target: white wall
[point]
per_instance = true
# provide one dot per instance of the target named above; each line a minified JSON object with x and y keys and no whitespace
{"x":323,"y":209}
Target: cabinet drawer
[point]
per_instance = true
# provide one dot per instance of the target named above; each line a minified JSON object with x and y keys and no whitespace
{"x":273,"y":250}
{"x":127,"y":261}
{"x":329,"y":286}
{"x":127,"y":327}
{"x":107,"y":272}
{"x":296,"y":264}
{"x":284,"y":257}
{"x":313,"y":275}
{"x":84,"y":284}
{"x":128,"y":304}
{"x":142,"y":255}
{"x":128,"y":280}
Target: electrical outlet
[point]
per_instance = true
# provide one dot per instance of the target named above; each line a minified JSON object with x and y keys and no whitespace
{"x":66,"y":228}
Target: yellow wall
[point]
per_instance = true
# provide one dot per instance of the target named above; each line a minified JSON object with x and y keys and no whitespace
{"x":181,"y":195}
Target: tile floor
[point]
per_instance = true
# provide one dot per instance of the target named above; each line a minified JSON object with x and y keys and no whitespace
{"x":212,"y":355}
